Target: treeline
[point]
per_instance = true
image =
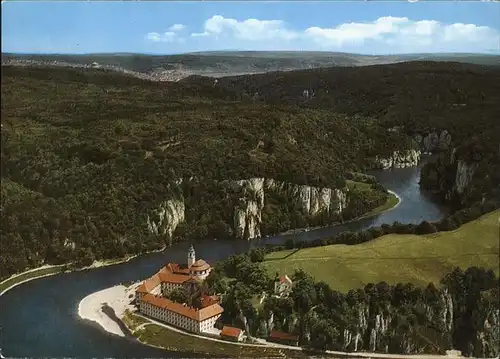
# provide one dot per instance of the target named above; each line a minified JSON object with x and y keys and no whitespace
{"x":416,"y":97}
{"x":87,"y":155}
{"x":419,"y":96}
{"x":459,"y":313}
{"x":448,"y":223}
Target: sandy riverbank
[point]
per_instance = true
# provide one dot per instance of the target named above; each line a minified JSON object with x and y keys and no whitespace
{"x":117,"y":297}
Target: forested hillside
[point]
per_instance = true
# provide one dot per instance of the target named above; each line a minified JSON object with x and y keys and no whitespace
{"x":418,"y":98}
{"x":460,"y":312}
{"x":99,"y":165}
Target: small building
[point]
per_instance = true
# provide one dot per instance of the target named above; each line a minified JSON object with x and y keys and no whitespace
{"x":283,"y":338}
{"x":282,"y":285}
{"x":231,"y":333}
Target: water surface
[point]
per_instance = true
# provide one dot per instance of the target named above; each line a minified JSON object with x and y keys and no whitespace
{"x":40,"y":319}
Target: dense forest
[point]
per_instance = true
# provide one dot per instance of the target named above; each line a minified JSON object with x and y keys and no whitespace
{"x":459,"y":313}
{"x":89,"y":156}
{"x":416,"y":98}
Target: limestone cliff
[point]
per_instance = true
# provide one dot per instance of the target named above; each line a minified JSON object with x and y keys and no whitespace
{"x":399,"y":159}
{"x":166,"y":217}
{"x":168,"y":214}
{"x":450,"y":176}
{"x":434,"y":141}
{"x":312,"y":201}
{"x":371,"y":330}
{"x":251,"y":199}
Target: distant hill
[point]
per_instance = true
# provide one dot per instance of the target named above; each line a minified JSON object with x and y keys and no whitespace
{"x":230,"y":63}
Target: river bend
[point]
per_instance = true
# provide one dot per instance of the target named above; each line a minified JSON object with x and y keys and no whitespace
{"x":40,"y":319}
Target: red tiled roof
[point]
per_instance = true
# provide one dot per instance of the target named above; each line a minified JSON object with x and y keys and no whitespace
{"x":176,"y":268}
{"x":207,"y":300}
{"x":276,"y":334}
{"x":189,"y":312}
{"x":149,"y":284}
{"x":230,"y":331}
{"x":168,"y":277}
{"x":200,"y":265}
{"x":172,"y":273}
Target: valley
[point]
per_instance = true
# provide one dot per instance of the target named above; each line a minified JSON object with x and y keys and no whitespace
{"x":101,"y":165}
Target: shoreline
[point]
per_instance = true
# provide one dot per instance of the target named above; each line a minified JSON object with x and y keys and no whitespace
{"x":118,"y":299}
{"x":96,"y":264}
{"x":110,"y":262}
{"x":307,"y":229}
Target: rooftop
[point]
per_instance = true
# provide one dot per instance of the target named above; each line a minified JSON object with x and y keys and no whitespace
{"x":184,"y":310}
{"x":231,"y":331}
{"x":200,"y":265}
{"x":276,"y":334}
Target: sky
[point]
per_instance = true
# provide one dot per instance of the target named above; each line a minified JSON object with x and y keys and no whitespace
{"x":367,"y":27}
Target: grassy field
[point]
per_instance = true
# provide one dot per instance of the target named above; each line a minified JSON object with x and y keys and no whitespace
{"x":159,"y":336}
{"x":133,"y":321}
{"x":29,"y":275}
{"x":396,"y":258}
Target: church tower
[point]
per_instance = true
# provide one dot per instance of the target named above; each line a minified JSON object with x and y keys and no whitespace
{"x":191,"y":256}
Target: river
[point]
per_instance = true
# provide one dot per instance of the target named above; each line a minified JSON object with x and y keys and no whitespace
{"x":39,"y":318}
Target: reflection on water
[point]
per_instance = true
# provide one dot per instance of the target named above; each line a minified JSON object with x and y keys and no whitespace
{"x":39,"y":319}
{"x":416,"y":205}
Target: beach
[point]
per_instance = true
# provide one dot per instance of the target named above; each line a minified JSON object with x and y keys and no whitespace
{"x":117,"y":297}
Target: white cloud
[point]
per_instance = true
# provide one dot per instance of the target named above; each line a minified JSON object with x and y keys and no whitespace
{"x":385,"y":34}
{"x":176,"y":27}
{"x":153,"y":36}
{"x":405,"y":33}
{"x":168,"y":36}
{"x":250,"y":29}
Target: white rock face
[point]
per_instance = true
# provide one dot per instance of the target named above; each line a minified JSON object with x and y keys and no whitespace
{"x":400,"y":159}
{"x":312,"y":200}
{"x":167,"y":217}
{"x":434,"y":141}
{"x":248,"y":213}
{"x":247,"y":217}
{"x":464,"y":175}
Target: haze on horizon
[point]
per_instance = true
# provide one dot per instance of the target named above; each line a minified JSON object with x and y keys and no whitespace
{"x":375,"y":28}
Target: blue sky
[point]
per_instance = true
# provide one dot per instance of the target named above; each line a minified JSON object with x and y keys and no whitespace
{"x":374,"y":27}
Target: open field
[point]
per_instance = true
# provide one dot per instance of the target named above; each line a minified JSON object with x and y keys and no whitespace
{"x":159,"y":336}
{"x":397,"y":258}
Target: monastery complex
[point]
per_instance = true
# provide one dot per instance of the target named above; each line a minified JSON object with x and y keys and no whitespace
{"x":153,"y":301}
{"x":152,"y":296}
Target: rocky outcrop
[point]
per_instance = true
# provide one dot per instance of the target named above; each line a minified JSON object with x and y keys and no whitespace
{"x":166,"y":217}
{"x":434,"y":141}
{"x":449,"y":177}
{"x":312,"y":201}
{"x":247,"y":218}
{"x":248,"y":212}
{"x":463,"y":177}
{"x":399,"y":159}
{"x":487,"y":314}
